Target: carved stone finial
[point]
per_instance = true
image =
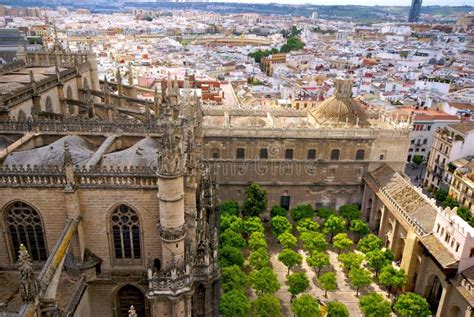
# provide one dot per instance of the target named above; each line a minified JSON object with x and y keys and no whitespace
{"x":67,"y":155}
{"x":130,"y":74}
{"x":132,"y":312}
{"x":32,"y":77}
{"x":89,"y":43}
{"x":29,"y":286}
{"x":170,"y":155}
{"x":119,"y":76}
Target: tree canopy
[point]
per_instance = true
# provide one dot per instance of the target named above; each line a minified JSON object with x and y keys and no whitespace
{"x":392,"y":278}
{"x":411,"y":305}
{"x":336,"y":309}
{"x":342,"y":242}
{"x":231,"y":222}
{"x":350,"y":260}
{"x":256,"y":200}
{"x":377,"y":259}
{"x":318,"y":260}
{"x":417,"y":159}
{"x":375,"y":305}
{"x":257,"y":241}
{"x":259,"y":258}
{"x":369,"y":243}
{"x":328,"y":282}
{"x":234,"y":304}
{"x":313,"y":241}
{"x":359,"y":227}
{"x":287,"y":240}
{"x":252,"y":224}
{"x":305,"y":305}
{"x":230,"y":255}
{"x":290,"y":258}
{"x":267,"y":306}
{"x":264,"y":281}
{"x":349,"y":212}
{"x":306,"y":224}
{"x":230,"y":207}
{"x":232,"y":277}
{"x":301,"y":212}
{"x":360,"y":277}
{"x":297,"y":283}
{"x":325,"y":213}
{"x":232,"y":238}
{"x":278,"y":211}
{"x":280,"y":224}
{"x":333,"y":225}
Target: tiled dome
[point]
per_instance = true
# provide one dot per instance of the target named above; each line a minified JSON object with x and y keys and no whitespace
{"x":341,"y":107}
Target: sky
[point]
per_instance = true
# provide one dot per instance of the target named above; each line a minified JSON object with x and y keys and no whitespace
{"x":364,"y":2}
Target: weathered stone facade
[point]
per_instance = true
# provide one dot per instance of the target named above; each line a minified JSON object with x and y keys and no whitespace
{"x":409,"y":224}
{"x":100,"y":190}
{"x":313,"y":158}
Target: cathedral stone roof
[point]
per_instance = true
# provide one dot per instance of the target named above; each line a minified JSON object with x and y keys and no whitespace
{"x":142,"y":153}
{"x":412,"y":201}
{"x":341,"y":108}
{"x":53,"y":154}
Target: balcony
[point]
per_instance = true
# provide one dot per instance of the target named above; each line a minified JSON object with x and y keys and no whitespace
{"x":173,"y":282}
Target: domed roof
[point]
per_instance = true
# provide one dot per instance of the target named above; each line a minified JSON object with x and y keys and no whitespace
{"x":53,"y":154}
{"x":341,"y":108}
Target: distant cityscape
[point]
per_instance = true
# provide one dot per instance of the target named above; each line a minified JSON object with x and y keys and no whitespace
{"x":236,"y":159}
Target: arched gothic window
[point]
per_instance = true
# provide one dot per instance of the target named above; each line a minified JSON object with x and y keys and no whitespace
{"x":71,"y":108}
{"x":85,"y":84}
{"x":126,"y":233}
{"x":130,"y":295}
{"x":21,"y":115}
{"x":26,"y":227}
{"x":48,"y":104}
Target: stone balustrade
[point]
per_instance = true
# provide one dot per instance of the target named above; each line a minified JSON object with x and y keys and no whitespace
{"x":55,"y":176}
{"x":75,"y":124}
{"x":172,"y":282}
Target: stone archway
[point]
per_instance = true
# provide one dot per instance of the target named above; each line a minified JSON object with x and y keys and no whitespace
{"x":399,"y":249}
{"x":127,"y":296}
{"x":377,"y":220}
{"x":455,"y":311}
{"x":368,"y":208}
{"x":433,"y":291}
{"x":199,"y":301}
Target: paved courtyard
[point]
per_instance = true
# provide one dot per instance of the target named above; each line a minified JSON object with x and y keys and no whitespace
{"x":344,"y":293}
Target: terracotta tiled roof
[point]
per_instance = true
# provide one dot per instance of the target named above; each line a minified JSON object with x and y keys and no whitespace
{"x":439,"y":251}
{"x":418,"y":208}
{"x":463,"y":127}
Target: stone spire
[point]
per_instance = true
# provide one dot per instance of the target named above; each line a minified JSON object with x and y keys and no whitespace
{"x":170,"y":156}
{"x":68,"y":167}
{"x":156,"y":102}
{"x":119,"y":81}
{"x":29,"y":286}
{"x":130,"y":74}
{"x":32,"y":81}
{"x":90,"y":103}
{"x":105,"y":90}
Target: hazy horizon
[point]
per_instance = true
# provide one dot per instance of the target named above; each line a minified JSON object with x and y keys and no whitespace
{"x":359,"y":2}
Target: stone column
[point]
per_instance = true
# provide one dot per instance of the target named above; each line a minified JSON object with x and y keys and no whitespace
{"x":410,"y":259}
{"x":189,"y":305}
{"x":442,"y":302}
{"x":383,"y":218}
{"x":171,"y":223}
{"x":209,"y":300}
{"x":62,"y":108}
